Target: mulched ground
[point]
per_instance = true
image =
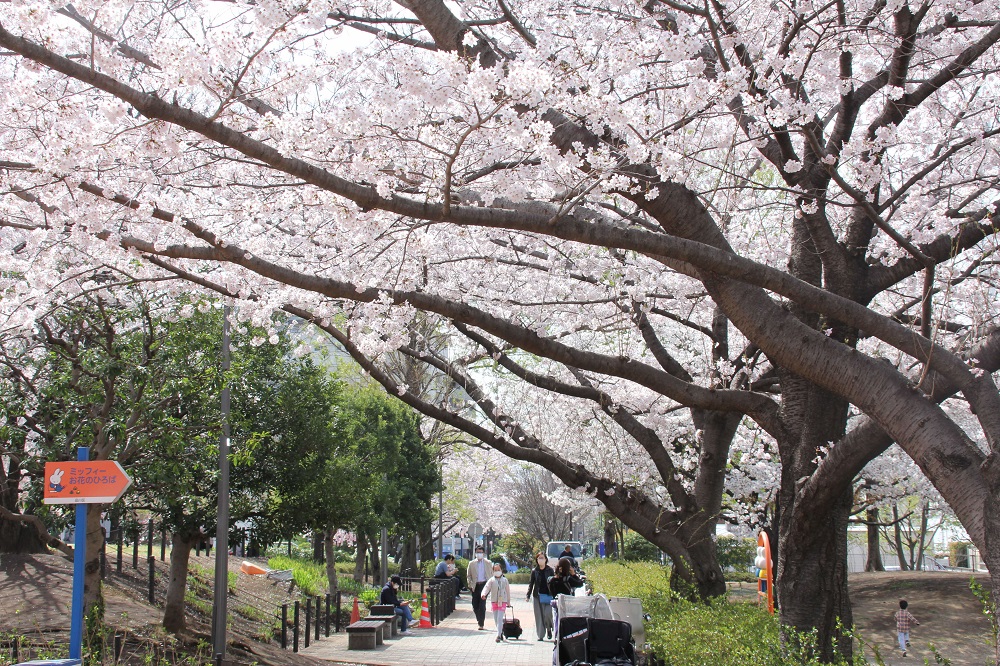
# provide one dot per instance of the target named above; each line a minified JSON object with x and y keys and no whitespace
{"x":35,"y":592}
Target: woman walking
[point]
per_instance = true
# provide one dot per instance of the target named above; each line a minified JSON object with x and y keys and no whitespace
{"x":497,"y":590}
{"x":538,"y":594}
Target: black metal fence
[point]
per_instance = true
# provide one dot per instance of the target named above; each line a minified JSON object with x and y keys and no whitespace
{"x":309,"y":619}
{"x":293,"y":624}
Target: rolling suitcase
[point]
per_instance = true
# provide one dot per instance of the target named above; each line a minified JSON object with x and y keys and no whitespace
{"x":512,"y":626}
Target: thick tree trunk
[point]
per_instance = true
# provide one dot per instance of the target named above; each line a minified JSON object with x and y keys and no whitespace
{"x":610,"y":537}
{"x":408,"y":559}
{"x":317,"y":544}
{"x":991,"y":541}
{"x":918,"y":565}
{"x":698,"y":575}
{"x":359,"y":559}
{"x":331,"y":560}
{"x":812,"y":578}
{"x":812,"y":541}
{"x":93,"y":599}
{"x":25,"y":536}
{"x":426,"y":537}
{"x":16,"y":537}
{"x":898,"y":537}
{"x":874,"y":561}
{"x":180,"y":554}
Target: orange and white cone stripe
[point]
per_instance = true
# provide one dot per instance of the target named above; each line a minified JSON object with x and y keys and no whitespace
{"x":425,"y":614}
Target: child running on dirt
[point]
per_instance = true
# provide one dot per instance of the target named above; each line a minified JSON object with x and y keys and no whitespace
{"x":903,"y":622}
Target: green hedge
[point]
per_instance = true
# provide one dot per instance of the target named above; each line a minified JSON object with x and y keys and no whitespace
{"x":685,"y":633}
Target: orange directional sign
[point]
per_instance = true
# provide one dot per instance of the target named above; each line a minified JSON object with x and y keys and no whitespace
{"x":94,"y":482}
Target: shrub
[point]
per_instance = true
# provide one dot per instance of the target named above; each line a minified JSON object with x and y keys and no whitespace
{"x":683,"y":632}
{"x":635,"y":548}
{"x":309,"y":576}
{"x":735,"y":554}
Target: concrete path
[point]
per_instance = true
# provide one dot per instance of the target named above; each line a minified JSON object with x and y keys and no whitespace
{"x":455,"y":642}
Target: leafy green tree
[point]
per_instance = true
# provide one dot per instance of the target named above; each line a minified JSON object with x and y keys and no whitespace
{"x":735,"y":554}
{"x":83,"y":379}
{"x":400,"y":471}
{"x":635,"y":548}
{"x":279,"y":422}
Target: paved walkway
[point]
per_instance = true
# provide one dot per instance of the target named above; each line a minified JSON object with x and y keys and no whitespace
{"x":454,"y":642}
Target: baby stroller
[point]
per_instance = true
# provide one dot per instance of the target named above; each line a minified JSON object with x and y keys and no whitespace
{"x":588,"y":635}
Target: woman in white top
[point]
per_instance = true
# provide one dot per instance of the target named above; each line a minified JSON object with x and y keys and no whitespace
{"x":497,"y":590}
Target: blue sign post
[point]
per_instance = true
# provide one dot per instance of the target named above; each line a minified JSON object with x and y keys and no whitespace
{"x":99,"y":482}
{"x":79,"y":562}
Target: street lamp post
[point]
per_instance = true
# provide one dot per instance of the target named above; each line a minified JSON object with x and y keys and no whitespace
{"x":441,"y":508}
{"x":222,"y":528}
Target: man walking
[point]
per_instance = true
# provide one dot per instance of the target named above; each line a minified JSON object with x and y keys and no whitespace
{"x":478,"y":573}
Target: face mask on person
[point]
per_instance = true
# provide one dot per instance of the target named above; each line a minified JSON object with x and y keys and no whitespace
{"x":541,"y":561}
{"x":497,"y":574}
{"x":479,"y":556}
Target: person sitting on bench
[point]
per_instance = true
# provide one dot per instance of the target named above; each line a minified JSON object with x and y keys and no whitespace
{"x":401,"y":608}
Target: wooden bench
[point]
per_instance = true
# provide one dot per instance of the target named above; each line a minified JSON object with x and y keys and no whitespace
{"x":391,"y":624}
{"x":382,"y":610}
{"x":364,"y":634}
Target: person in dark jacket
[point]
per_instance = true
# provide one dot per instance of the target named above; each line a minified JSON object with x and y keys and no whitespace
{"x":564,"y":581}
{"x":541,"y":599}
{"x":567,"y":554}
{"x":401,"y":608}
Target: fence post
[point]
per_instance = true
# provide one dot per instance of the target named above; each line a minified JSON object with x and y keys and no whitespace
{"x":104,"y":561}
{"x":319,"y":612}
{"x":149,"y":544}
{"x":118,"y":648}
{"x":327,"y":616}
{"x":152,"y":577}
{"x":309,"y":607}
{"x":121,"y":544}
{"x":295,"y":629}
{"x":163,"y":542}
{"x":336,"y":618}
{"x":421,"y":586}
{"x":284,"y":626}
{"x":15,"y":648}
{"x":135,"y":548}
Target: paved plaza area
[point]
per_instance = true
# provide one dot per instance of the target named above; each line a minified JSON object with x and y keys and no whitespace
{"x":456,"y":641}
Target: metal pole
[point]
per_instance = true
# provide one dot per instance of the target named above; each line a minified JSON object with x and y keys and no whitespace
{"x":284,"y":626}
{"x":151,"y":561}
{"x":295,"y":629}
{"x":440,"y":552}
{"x":309,"y":607}
{"x":222,"y":529}
{"x":327,"y":616}
{"x":79,"y":570}
{"x":384,"y":569}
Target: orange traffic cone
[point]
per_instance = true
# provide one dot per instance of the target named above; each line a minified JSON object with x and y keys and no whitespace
{"x":355,"y":614}
{"x":425,"y":614}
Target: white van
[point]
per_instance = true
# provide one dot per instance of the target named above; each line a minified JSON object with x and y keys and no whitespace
{"x":554,"y":550}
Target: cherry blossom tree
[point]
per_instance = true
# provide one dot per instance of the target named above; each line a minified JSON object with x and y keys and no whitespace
{"x":645,"y":224}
